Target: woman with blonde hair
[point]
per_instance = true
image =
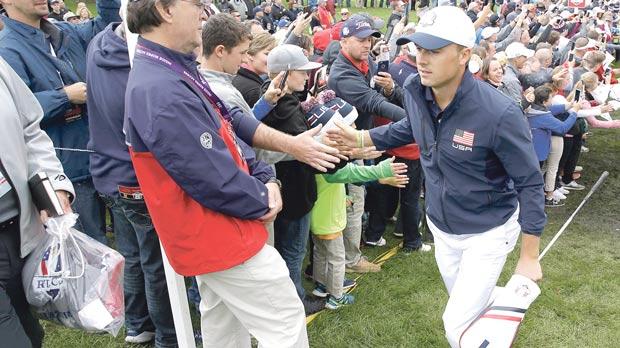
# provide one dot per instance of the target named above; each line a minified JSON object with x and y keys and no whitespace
{"x":84,"y":14}
{"x":249,"y":79}
{"x":595,"y":105}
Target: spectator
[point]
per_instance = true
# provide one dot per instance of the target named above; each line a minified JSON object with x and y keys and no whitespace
{"x":71,"y":17}
{"x":404,"y":66}
{"x":398,"y":11}
{"x":186,"y":132}
{"x":299,"y":191}
{"x":277,"y":10}
{"x":20,"y":224}
{"x":540,"y":117}
{"x":472,"y":10}
{"x":57,"y":13}
{"x":84,"y":14}
{"x":493,"y":73}
{"x":59,"y":87}
{"x":267,"y":19}
{"x":148,"y":315}
{"x":517,"y":55}
{"x":325,"y":17}
{"x":255,"y":26}
{"x":248,"y":79}
{"x":589,"y":83}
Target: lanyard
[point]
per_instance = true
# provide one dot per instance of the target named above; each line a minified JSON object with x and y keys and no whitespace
{"x":201,"y":84}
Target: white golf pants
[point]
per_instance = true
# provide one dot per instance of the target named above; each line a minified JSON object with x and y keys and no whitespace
{"x":256,"y":297}
{"x":470,"y":266}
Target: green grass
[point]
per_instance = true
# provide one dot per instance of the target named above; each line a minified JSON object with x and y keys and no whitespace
{"x":402,"y":305}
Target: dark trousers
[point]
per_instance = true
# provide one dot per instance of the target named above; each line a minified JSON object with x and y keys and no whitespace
{"x":382,"y":201}
{"x":147,"y":303}
{"x":18,"y":326}
{"x":570,"y":156}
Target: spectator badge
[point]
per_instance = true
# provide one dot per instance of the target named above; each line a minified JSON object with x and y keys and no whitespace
{"x":463,"y":140}
{"x":206,"y":141}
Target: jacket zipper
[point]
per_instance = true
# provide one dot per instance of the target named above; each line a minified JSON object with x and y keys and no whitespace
{"x":19,"y":207}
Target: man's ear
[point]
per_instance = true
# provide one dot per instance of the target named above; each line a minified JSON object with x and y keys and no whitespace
{"x":166,"y":13}
{"x":219,"y":51}
{"x":464,"y":56}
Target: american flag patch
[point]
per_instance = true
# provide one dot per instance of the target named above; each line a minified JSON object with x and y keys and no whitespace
{"x":463,"y":137}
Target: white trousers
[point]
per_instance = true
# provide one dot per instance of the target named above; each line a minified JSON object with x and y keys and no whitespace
{"x":256,"y":297}
{"x":470,"y":266}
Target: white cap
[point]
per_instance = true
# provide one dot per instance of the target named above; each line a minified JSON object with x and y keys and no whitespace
{"x":516,"y":49}
{"x":488,"y":32}
{"x":289,"y":57}
{"x":440,"y":27}
{"x":565,"y":14}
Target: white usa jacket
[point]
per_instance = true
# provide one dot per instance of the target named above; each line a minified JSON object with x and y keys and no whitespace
{"x":26,"y":150}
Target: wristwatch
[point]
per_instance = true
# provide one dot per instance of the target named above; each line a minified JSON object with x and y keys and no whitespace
{"x":274,"y":180}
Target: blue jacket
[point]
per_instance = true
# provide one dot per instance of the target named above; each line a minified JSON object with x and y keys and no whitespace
{"x":107,"y":73}
{"x":203,"y":193}
{"x":543,"y":124}
{"x":479,"y":161}
{"x":27,"y":50}
{"x":353,"y":86}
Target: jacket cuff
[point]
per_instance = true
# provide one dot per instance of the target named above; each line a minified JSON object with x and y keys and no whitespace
{"x":245,"y":127}
{"x":61,"y":182}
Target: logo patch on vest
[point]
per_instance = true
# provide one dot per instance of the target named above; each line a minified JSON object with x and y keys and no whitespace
{"x":206,"y":141}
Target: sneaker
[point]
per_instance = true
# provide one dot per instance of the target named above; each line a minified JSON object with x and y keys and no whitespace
{"x":397,"y":234}
{"x":335,"y":303}
{"x":320,"y":290}
{"x":578,"y":168}
{"x":313,"y":305}
{"x":558,"y":196}
{"x":573,"y":185}
{"x":553,"y":203}
{"x":584,"y":149}
{"x":364,"y":266}
{"x":138,"y":338}
{"x":563,"y":190}
{"x":381,"y":242}
{"x":423,"y":248}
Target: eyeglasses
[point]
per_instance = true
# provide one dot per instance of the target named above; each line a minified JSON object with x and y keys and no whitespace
{"x":201,"y":4}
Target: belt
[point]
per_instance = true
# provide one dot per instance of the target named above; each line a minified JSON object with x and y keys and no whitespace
{"x":5,"y":225}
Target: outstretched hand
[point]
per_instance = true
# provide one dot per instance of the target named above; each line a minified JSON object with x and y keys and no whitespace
{"x":307,"y":150}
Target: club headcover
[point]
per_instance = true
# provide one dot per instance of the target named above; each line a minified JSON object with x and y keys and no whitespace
{"x":497,"y":325}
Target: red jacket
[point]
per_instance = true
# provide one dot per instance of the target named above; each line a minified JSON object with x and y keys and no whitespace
{"x":325,"y":18}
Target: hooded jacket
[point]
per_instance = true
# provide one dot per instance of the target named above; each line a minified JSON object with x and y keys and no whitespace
{"x":46,"y":72}
{"x":107,"y":74}
{"x":543,"y":124}
{"x":479,"y":162}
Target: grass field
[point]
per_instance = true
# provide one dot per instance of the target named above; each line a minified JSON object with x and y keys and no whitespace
{"x":402,"y":305}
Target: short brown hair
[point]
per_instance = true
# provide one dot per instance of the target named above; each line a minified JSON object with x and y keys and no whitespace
{"x":261,"y":42}
{"x":542,"y":94}
{"x":223,"y":29}
{"x":142,"y":15}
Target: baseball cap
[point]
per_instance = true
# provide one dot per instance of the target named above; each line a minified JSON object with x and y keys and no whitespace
{"x":69,"y":15}
{"x":494,"y":19}
{"x":488,"y":32}
{"x":283,"y":22}
{"x":54,"y":1}
{"x":440,"y":27}
{"x":289,"y":57}
{"x":517,"y":49}
{"x":359,"y":27}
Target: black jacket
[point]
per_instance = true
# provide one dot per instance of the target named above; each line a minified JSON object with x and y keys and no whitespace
{"x":249,"y":84}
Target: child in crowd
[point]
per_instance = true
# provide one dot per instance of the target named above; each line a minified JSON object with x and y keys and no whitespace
{"x":328,"y":216}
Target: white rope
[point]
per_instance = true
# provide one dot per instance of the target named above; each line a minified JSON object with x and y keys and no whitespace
{"x":60,"y":228}
{"x":73,"y":150}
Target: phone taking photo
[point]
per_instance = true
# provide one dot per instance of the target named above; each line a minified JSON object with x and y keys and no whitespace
{"x":384,"y":59}
{"x":577,"y":95}
{"x":283,"y":81}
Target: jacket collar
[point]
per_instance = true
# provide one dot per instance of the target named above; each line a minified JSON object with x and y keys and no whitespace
{"x":361,"y":66}
{"x":47,"y":30}
{"x":245,"y":72}
{"x":467,"y":84}
{"x":216,"y":75}
{"x":186,"y":60}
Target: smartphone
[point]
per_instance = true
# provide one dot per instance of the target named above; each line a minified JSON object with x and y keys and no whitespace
{"x":577,"y":95}
{"x":486,"y":2}
{"x":384,"y":58}
{"x":608,"y":71}
{"x":283,"y":81}
{"x":571,"y":56}
{"x":307,"y":10}
{"x":572,"y":45}
{"x":383,"y":66}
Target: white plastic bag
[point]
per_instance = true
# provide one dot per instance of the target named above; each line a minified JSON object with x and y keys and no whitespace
{"x":74,"y":280}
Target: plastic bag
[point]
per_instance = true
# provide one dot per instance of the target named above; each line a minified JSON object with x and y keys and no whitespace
{"x":74,"y":280}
